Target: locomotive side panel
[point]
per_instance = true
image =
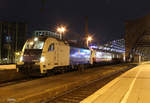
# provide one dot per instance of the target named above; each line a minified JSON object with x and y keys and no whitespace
{"x":56,"y":54}
{"x":48,"y":54}
{"x":63,"y":51}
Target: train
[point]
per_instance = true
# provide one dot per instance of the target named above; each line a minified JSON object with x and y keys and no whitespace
{"x":42,"y":53}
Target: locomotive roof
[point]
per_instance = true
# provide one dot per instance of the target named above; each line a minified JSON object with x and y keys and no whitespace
{"x":72,"y":44}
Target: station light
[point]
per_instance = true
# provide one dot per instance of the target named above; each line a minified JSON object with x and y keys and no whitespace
{"x":89,"y":39}
{"x":61,"y":30}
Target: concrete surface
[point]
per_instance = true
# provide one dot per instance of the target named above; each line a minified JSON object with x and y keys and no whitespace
{"x":131,"y":87}
{"x":9,"y":75}
{"x":40,"y":90}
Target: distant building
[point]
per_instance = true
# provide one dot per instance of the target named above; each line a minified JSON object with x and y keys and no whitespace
{"x":12,"y":38}
{"x":46,"y":33}
{"x":116,"y":45}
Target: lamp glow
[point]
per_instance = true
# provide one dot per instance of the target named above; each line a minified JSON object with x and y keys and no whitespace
{"x":35,"y":39}
{"x":21,"y":58}
{"x":31,"y":43}
{"x":89,"y":39}
{"x":42,"y":59}
{"x":61,"y":30}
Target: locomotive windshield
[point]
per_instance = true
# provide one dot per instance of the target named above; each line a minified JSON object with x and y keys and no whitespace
{"x":34,"y":44}
{"x":33,"y":49}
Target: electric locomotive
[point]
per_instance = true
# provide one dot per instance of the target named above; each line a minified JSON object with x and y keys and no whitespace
{"x":43,"y":53}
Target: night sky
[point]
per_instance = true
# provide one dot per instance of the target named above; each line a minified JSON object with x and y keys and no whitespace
{"x":106,"y":17}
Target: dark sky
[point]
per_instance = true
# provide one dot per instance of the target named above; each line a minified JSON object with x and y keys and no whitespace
{"x":106,"y":17}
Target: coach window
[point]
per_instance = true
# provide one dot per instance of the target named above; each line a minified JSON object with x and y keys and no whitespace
{"x":51,"y":47}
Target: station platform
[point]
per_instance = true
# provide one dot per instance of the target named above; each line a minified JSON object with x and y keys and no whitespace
{"x":131,"y":87}
{"x":8,"y":67}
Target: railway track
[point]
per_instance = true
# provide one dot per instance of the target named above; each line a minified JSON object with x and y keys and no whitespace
{"x":15,"y":82}
{"x":78,"y":94}
{"x":27,"y":78}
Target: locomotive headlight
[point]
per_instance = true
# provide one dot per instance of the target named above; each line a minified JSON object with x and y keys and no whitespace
{"x":35,"y":39}
{"x":42,"y":59}
{"x":21,"y":58}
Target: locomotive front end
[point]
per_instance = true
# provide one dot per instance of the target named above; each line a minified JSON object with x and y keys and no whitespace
{"x":31,"y":60}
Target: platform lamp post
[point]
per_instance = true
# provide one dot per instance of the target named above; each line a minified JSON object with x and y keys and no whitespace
{"x":89,"y":39}
{"x":61,"y":30}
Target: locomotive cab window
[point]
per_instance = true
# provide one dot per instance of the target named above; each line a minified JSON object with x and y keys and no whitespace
{"x":51,"y":47}
{"x":34,"y":45}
